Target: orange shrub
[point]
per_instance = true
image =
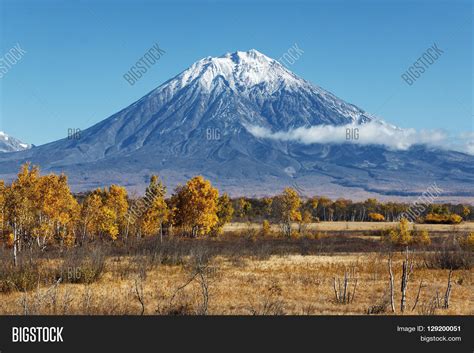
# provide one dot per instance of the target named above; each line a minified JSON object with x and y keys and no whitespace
{"x":443,"y":219}
{"x":376,"y":217}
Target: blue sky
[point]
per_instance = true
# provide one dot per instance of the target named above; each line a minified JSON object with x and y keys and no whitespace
{"x":77,"y":53}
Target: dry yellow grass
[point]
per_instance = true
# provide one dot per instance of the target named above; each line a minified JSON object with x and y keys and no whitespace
{"x":292,"y":284}
{"x":359,"y":226}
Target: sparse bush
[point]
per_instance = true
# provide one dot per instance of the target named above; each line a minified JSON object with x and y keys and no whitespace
{"x":170,"y":252}
{"x":23,"y":277}
{"x":421,"y":237}
{"x":380,"y":307}
{"x":177,"y":309}
{"x":271,"y":302}
{"x":83,"y":267}
{"x":450,"y":258}
{"x":400,"y":236}
{"x":429,"y":308}
{"x":468,"y":242}
{"x":392,"y":236}
{"x":266,"y":228}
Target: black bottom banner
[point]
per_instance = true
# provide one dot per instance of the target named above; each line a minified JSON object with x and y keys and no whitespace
{"x":294,"y":334}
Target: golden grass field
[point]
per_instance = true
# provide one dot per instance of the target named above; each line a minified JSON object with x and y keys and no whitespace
{"x":284,"y":284}
{"x":360,"y":226}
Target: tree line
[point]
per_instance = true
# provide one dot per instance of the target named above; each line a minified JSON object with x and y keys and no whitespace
{"x":321,"y":208}
{"x":40,"y":210}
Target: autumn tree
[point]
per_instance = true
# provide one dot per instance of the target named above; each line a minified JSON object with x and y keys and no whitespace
{"x":103,"y":213}
{"x":56,"y":211}
{"x":287,"y":209}
{"x":340,"y":208}
{"x":267,"y":207}
{"x":90,"y":215}
{"x":324,"y":202}
{"x":311,"y":205}
{"x":116,"y":199}
{"x":369,"y":206}
{"x":243,"y":207}
{"x":466,"y":211}
{"x":19,"y":201}
{"x":225,"y":211}
{"x":37,"y":209}
{"x":5,"y":235}
{"x":2,"y":208}
{"x":402,"y":235}
{"x":195,"y":206}
{"x":107,"y":226}
{"x":155,"y":210}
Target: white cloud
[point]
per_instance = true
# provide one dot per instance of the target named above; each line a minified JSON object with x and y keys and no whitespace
{"x":375,"y":132}
{"x":464,"y":143}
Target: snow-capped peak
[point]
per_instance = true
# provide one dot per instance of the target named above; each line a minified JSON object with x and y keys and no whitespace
{"x":241,"y":70}
{"x":11,"y":144}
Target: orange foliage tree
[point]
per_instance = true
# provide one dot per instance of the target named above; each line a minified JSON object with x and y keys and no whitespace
{"x":155,"y":210}
{"x":287,"y":208}
{"x":37,"y":210}
{"x":195,"y":206}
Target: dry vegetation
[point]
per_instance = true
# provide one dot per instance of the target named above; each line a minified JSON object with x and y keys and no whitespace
{"x":359,"y":226}
{"x":237,"y":274}
{"x":105,"y":253}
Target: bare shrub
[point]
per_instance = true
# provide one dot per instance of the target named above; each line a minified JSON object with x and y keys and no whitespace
{"x":449,"y":258}
{"x":82,"y":266}
{"x":181,"y":306}
{"x":381,"y":306}
{"x":201,"y":272}
{"x":429,"y":308}
{"x":87,"y":300}
{"x":170,"y":252}
{"x":23,"y":277}
{"x":271,"y":302}
{"x":139,"y":293}
{"x":343,"y":292}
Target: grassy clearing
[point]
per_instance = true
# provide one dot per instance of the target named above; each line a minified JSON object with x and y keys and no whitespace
{"x":245,"y":275}
{"x":291,"y":284}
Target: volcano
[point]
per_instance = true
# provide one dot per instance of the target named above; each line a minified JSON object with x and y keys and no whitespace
{"x":203,"y":122}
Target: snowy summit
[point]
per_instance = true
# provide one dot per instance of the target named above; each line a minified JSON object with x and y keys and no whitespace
{"x":11,"y":144}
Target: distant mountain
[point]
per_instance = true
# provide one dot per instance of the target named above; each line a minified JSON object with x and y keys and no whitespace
{"x":200,"y":122}
{"x":11,"y":144}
